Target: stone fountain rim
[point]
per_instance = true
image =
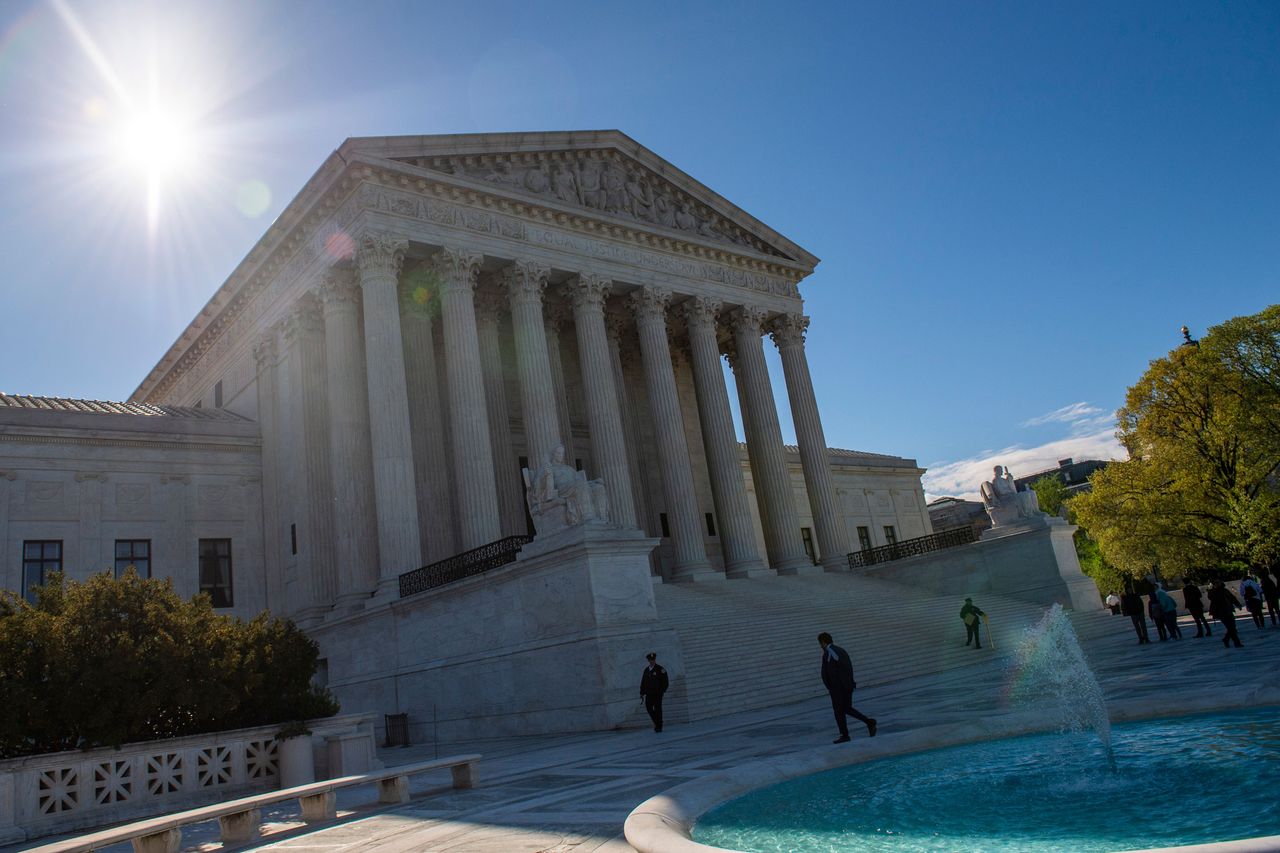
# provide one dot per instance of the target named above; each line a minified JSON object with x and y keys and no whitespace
{"x":664,"y":823}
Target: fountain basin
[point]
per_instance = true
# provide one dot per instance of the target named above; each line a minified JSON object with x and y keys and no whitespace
{"x":664,"y":824}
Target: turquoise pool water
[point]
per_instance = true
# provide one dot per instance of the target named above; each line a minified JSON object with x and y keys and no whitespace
{"x":1186,"y":780}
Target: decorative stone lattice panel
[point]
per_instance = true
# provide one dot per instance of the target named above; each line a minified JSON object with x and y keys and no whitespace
{"x":112,"y":782}
{"x":213,"y":766}
{"x":262,"y":759}
{"x":58,"y":790}
{"x":164,"y":773}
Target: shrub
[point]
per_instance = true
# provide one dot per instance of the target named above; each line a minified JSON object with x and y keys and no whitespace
{"x":109,"y":661}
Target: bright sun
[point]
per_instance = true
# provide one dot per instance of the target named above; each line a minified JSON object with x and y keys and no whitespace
{"x":156,"y":144}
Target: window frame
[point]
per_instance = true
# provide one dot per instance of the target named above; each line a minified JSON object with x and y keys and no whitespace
{"x":222,"y":596}
{"x":42,"y":562}
{"x":132,"y":559}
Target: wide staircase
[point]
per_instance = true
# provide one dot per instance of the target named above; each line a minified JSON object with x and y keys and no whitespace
{"x":752,"y":644}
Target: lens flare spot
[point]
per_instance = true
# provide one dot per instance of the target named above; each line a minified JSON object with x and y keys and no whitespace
{"x":339,"y":245}
{"x":95,"y":109}
{"x":253,"y":197}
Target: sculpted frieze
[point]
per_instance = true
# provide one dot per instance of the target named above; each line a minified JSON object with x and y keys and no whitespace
{"x":606,"y":181}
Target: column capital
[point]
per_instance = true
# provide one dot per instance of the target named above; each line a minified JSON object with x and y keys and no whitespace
{"x":748,"y":320}
{"x":380,"y":255}
{"x":702,"y":312}
{"x":650,"y":304}
{"x":489,"y":305}
{"x":457,"y":267}
{"x":729,"y":350}
{"x":338,"y":289}
{"x":525,"y":280}
{"x":266,"y":350}
{"x":304,"y":318}
{"x":788,"y":330}
{"x":589,"y":291}
{"x":554,"y":317}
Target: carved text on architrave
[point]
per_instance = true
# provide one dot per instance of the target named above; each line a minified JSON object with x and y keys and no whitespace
{"x":601,"y":180}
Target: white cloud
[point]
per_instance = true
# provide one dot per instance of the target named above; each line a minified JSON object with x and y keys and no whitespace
{"x":962,"y":478}
{"x":1082,"y":418}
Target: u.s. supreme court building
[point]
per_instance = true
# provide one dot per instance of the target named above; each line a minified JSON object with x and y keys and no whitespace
{"x":428,"y":317}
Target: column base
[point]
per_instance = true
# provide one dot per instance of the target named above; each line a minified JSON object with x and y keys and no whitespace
{"x":697,"y":576}
{"x":309,"y":617}
{"x":799,"y":567}
{"x":349,"y":602}
{"x":747,"y":571}
{"x":836,"y":564}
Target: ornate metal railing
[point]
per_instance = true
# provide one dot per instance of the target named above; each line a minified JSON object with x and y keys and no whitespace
{"x":912,"y":547}
{"x":464,"y":565}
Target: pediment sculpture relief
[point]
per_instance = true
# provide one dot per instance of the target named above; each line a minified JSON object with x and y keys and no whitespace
{"x":559,"y":496}
{"x":600,"y":180}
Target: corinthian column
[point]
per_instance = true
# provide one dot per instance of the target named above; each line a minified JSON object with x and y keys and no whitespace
{"x":477,"y":498}
{"x":430,"y":465}
{"x":650,"y":307}
{"x":511,"y":512}
{"x":350,"y":457}
{"x":378,"y":258}
{"x":554,"y":315}
{"x":833,"y":538}
{"x":312,"y":476}
{"x":615,"y":326}
{"x":764,"y":444}
{"x":604,"y":418}
{"x":737,"y":535}
{"x":525,"y":282}
{"x":266,"y":355}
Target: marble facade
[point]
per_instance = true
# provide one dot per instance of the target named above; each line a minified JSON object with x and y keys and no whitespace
{"x":432,"y":314}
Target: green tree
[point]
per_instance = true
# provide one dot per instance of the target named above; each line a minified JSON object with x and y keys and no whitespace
{"x":108,"y":661}
{"x":1202,"y":428}
{"x":1051,"y":492}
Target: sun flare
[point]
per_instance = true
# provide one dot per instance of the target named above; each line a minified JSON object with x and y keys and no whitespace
{"x":156,"y":144}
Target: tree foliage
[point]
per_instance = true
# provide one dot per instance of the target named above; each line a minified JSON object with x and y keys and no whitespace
{"x":1051,"y":493}
{"x":1202,"y":428}
{"x":111,"y":661}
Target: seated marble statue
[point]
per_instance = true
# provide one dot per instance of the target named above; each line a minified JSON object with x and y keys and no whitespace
{"x":559,"y":496}
{"x":1004,"y":503}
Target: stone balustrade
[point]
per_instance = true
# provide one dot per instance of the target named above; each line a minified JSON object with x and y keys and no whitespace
{"x":65,"y":791}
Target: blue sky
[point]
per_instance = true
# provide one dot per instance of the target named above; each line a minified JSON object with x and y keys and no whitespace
{"x":1016,"y":204}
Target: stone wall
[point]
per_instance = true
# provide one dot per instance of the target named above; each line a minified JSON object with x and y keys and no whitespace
{"x":88,"y":479}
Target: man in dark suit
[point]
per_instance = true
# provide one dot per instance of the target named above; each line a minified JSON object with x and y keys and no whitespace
{"x":837,"y":676}
{"x":653,"y":683}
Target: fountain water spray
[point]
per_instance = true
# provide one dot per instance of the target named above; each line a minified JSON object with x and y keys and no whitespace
{"x":1049,"y":664}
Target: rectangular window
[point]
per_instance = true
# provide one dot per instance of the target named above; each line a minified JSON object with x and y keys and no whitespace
{"x":577,"y":464}
{"x":711,"y":525}
{"x":136,"y":553}
{"x":215,"y":571}
{"x":864,"y":538}
{"x":666,"y":529}
{"x":293,"y":538}
{"x":39,"y":558}
{"x":890,"y":536}
{"x":807,"y":535}
{"x":217,"y":395}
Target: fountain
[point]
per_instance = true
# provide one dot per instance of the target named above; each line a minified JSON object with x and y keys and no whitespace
{"x":1049,"y":664}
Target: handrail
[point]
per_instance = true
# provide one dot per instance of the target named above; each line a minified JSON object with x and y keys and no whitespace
{"x":912,"y":547}
{"x":240,"y":818}
{"x":464,"y":565}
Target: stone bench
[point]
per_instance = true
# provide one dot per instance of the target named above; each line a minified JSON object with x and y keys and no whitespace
{"x":239,"y":819}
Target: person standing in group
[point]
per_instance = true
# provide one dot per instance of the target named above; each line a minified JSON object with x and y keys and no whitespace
{"x":1113,"y":602}
{"x":1169,"y":609}
{"x":1156,"y":612}
{"x":1270,"y":594}
{"x":972,"y":616}
{"x":1251,"y":592}
{"x":1222,"y":606}
{"x":837,"y":677}
{"x":1131,"y":606}
{"x":1194,"y":602}
{"x":653,"y":683}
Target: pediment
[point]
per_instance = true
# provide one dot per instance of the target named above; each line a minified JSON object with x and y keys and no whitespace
{"x":605,"y":172}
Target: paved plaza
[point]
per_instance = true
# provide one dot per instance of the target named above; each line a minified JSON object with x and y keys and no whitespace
{"x":573,"y":793}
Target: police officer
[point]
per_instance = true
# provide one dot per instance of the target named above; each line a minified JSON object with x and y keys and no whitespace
{"x":653,"y":683}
